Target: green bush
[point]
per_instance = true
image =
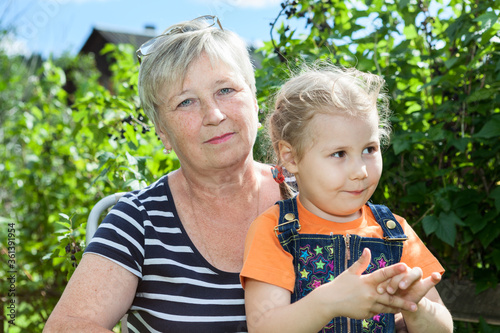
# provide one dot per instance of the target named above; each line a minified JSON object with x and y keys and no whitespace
{"x":66,"y":142}
{"x":441,"y":66}
{"x":60,"y":153}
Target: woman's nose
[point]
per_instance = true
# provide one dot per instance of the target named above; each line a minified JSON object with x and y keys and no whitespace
{"x":212,"y":115}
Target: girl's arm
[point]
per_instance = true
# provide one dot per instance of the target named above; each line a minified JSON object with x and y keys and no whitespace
{"x":431,"y":315}
{"x":351,"y":295}
{"x":98,"y":294}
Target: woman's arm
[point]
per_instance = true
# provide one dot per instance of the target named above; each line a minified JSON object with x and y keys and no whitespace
{"x":98,"y":294}
{"x":350,"y":294}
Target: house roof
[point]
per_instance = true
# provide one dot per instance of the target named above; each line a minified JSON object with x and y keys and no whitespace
{"x":99,"y":37}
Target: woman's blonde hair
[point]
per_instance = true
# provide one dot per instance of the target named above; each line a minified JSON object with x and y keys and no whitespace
{"x":326,"y":89}
{"x":167,"y":64}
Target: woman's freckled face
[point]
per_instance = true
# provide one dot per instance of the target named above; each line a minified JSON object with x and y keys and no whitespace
{"x":211,"y":120}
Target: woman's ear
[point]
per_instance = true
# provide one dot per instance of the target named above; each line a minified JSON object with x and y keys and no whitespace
{"x":163,"y":137}
{"x":287,"y":156}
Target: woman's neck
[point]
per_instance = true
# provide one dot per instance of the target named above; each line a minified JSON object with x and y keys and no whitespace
{"x":220,"y":183}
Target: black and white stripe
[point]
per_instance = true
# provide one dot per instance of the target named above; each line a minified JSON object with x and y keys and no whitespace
{"x":178,"y":291}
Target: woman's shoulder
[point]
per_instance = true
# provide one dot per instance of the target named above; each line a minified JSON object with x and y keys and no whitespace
{"x":153,"y":195}
{"x":157,"y":188}
{"x":266,"y":221}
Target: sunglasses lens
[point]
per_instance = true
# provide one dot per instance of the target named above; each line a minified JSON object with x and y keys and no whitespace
{"x":148,"y":47}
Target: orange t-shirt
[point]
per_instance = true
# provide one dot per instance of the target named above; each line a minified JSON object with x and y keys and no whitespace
{"x":267,"y":261}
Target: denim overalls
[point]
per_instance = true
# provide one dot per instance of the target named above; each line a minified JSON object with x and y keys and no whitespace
{"x":318,"y":259}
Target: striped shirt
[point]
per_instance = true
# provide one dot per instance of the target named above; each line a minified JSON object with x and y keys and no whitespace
{"x":178,"y":291}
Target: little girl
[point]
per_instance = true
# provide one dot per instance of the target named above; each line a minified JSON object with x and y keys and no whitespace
{"x":328,"y":260}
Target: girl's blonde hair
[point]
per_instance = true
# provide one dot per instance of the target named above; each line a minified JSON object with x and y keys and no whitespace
{"x":166,"y":66}
{"x":324,"y":88}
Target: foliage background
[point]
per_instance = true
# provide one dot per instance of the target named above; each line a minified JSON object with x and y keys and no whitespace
{"x":66,"y":141}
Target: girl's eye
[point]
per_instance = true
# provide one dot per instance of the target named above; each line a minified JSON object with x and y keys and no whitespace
{"x":338,"y":154}
{"x":369,"y":150}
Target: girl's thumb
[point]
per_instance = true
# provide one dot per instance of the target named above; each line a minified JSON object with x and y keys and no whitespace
{"x":362,"y":263}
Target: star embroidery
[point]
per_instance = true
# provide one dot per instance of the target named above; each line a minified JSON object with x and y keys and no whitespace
{"x":318,"y":249}
{"x":320,"y":264}
{"x":330,"y":265}
{"x":365,"y":323}
{"x":382,"y":263}
{"x":304,"y":274}
{"x":329,"y":249}
{"x":331,"y":278}
{"x":316,"y":284}
{"x":305,"y":254}
{"x":377,"y":318}
{"x":328,"y":327}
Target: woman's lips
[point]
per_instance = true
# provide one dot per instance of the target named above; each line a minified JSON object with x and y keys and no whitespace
{"x":220,"y":139}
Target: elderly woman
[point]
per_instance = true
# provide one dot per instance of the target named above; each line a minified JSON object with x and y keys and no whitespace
{"x":170,"y":255}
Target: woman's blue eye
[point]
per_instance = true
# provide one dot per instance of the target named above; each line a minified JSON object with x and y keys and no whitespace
{"x":185,"y":103}
{"x":225,"y":91}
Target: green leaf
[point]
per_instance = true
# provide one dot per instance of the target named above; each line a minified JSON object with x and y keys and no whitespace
{"x":446,"y":230}
{"x":430,"y":224}
{"x":410,"y":31}
{"x":489,"y":234}
{"x":400,"y":144}
{"x":416,"y":192}
{"x":495,"y":255}
{"x":491,"y":129}
{"x":131,"y":159}
{"x":130,"y":135}
{"x":413,"y":108}
{"x":108,"y":48}
{"x":5,"y":220}
{"x":434,"y":82}
{"x":476,"y":223}
{"x":495,"y":195}
{"x":460,"y":143}
{"x":451,"y":62}
{"x":480,"y":95}
{"x":64,"y":224}
{"x":487,"y":20}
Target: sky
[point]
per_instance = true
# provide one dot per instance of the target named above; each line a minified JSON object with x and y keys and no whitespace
{"x":52,"y":27}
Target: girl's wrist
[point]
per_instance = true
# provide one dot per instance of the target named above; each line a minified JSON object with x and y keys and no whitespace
{"x":423,"y":306}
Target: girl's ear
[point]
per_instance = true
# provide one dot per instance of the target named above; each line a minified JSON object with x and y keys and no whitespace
{"x":288,"y":156}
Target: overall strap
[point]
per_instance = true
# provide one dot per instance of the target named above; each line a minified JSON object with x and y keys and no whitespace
{"x":288,"y":223}
{"x":391,"y":227}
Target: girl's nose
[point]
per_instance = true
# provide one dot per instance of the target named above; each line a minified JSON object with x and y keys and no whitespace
{"x":358,"y":169}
